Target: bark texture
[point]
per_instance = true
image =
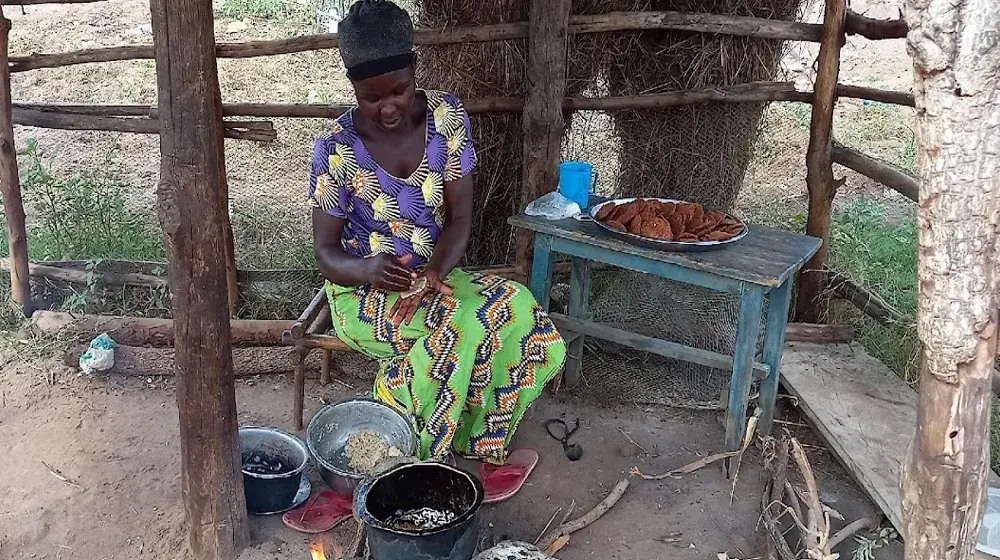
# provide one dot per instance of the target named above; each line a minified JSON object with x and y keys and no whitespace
{"x":191,"y":199}
{"x":542,"y":121}
{"x":954,"y":44}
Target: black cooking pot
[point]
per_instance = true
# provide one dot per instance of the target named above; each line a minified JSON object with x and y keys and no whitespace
{"x":273,"y":463}
{"x":421,"y":485}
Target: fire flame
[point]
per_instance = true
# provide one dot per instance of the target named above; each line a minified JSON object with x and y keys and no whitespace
{"x":318,"y":553}
{"x":316,"y":550}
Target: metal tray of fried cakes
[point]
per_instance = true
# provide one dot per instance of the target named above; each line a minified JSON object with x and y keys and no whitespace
{"x":667,"y":224}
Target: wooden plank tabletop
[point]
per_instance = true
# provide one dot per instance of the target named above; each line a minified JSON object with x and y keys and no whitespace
{"x":863,"y":411}
{"x":766,"y":256}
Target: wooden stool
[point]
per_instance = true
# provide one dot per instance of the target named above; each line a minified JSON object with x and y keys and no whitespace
{"x":308,"y":333}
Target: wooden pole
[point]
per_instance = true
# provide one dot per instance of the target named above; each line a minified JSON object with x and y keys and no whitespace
{"x":10,"y":183}
{"x":192,"y":208}
{"x":542,"y":120}
{"x":232,"y":280}
{"x":957,"y":87}
{"x":812,"y":299}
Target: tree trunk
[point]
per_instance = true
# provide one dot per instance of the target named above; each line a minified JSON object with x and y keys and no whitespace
{"x":192,"y":208}
{"x":10,"y":185}
{"x":954,"y":44}
{"x":811,"y":303}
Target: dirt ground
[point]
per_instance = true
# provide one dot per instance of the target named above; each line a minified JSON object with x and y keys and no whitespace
{"x":93,"y":473}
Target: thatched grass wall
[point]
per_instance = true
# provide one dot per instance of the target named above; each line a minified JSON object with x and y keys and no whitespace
{"x":697,"y":153}
{"x":475,"y":71}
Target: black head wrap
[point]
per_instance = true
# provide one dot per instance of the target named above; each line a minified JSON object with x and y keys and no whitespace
{"x":375,"y":38}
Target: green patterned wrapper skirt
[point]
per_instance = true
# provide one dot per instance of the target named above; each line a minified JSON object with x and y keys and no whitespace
{"x":466,"y":367}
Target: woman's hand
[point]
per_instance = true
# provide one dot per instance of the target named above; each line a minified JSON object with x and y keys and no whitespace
{"x":405,"y":308}
{"x":434,"y":282}
{"x":389,"y":273}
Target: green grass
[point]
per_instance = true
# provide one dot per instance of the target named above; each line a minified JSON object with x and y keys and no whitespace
{"x":83,"y":216}
{"x":91,"y":216}
{"x":263,"y":9}
{"x":877,"y":129}
{"x":878,"y":251}
{"x":880,"y":130}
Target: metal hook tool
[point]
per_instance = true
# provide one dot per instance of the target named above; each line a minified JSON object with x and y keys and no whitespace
{"x":573,"y":451}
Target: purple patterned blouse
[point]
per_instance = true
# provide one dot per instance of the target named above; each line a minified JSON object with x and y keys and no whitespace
{"x":387,"y":214}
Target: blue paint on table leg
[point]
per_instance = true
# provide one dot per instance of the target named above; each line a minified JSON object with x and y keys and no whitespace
{"x":579,"y":304}
{"x":541,"y":270}
{"x":751,"y":308}
{"x":774,"y":345}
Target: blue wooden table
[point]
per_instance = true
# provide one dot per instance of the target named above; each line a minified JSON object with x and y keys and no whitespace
{"x":761,"y":265}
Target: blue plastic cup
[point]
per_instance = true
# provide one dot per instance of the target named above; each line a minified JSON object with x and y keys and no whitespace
{"x":577,"y":180}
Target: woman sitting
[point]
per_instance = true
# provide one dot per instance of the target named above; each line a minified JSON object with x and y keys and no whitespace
{"x":463,"y":353}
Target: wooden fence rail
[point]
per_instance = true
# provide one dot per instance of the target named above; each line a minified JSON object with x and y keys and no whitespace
{"x":42,"y":117}
{"x":878,"y":170}
{"x":142,"y":118}
{"x":40,"y":2}
{"x":743,"y":26}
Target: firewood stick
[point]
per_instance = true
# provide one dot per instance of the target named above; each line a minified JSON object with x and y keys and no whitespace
{"x":588,"y":518}
{"x":688,"y":468}
{"x":818,"y":529}
{"x":849,"y":530}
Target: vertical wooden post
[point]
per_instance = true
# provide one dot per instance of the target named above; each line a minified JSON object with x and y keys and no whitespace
{"x":543,"y":122}
{"x":957,"y":89}
{"x":232,"y":282}
{"x":193,"y":213}
{"x":810,"y":307}
{"x":10,"y":183}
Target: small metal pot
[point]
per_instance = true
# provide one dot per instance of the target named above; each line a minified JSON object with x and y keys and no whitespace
{"x":271,"y":492}
{"x":330,"y":428}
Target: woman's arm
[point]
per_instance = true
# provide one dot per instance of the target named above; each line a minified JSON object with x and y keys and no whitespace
{"x":454,"y":237}
{"x":384,"y":272}
{"x":329,"y":218}
{"x":448,"y":250}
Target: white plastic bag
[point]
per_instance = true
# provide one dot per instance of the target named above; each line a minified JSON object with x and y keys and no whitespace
{"x":553,"y":206}
{"x":100,"y":356}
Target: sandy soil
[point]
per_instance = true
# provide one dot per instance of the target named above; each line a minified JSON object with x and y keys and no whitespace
{"x":95,"y":474}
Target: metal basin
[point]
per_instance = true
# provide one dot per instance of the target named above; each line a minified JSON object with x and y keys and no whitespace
{"x":330,"y":428}
{"x":270,"y":490}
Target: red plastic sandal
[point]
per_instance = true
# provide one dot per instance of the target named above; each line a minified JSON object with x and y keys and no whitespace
{"x":502,"y":482}
{"x":322,"y":512}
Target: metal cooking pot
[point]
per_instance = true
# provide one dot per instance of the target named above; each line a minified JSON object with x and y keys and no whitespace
{"x":421,"y":485}
{"x":271,"y":492}
{"x":330,"y":428}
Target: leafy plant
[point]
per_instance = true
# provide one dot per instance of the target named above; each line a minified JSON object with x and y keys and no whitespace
{"x":84,"y":216}
{"x":79,"y":299}
{"x":868,"y":545}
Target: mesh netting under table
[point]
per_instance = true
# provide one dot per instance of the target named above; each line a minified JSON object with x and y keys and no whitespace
{"x":667,"y":310}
